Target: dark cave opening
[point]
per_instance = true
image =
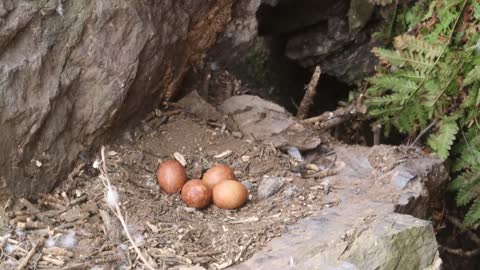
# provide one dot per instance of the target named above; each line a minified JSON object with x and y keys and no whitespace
{"x":289,"y":79}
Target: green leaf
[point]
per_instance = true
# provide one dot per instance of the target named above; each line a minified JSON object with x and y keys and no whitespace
{"x":394,"y":83}
{"x":477,"y":102}
{"x":384,"y":111}
{"x":465,"y":184}
{"x":472,"y":217}
{"x":442,"y":141}
{"x":472,"y":76}
{"x":476,"y":10}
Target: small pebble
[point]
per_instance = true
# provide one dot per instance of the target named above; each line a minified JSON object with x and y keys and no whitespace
{"x":146,"y":127}
{"x":237,"y":134}
{"x":245,"y":158}
{"x":290,"y":191}
{"x":269,"y":186}
{"x":248,"y":184}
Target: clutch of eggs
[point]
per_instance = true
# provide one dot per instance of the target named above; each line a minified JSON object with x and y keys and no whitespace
{"x":218,"y":183}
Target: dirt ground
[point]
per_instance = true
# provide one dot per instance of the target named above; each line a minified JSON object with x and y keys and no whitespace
{"x":74,"y":228}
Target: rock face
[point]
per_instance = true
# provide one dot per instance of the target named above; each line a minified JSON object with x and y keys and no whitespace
{"x":332,"y":34}
{"x":268,"y":123}
{"x":364,"y":229}
{"x":72,"y":71}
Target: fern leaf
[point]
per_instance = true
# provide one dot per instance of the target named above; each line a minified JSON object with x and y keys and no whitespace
{"x":397,"y":98}
{"x":465,"y":184}
{"x":384,"y":111}
{"x":472,"y":217}
{"x":390,"y":56}
{"x":415,"y":44}
{"x":413,"y":115}
{"x":394,"y":83}
{"x":476,"y":10}
{"x":431,"y":9}
{"x":468,"y":155}
{"x":413,"y":75}
{"x":442,"y":141}
{"x":477,"y":101}
{"x":472,"y":76}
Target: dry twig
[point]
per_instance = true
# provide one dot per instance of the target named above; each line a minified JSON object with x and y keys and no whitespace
{"x":331,"y":119}
{"x":30,"y":254}
{"x":115,"y":207}
{"x":307,"y":100}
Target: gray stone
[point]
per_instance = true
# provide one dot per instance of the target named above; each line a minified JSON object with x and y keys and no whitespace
{"x":71,"y":79}
{"x":401,"y":178}
{"x":268,"y":122}
{"x":359,"y":14}
{"x":394,"y":241}
{"x":196,"y":105}
{"x":248,"y":184}
{"x":269,"y":186}
{"x":290,"y":191}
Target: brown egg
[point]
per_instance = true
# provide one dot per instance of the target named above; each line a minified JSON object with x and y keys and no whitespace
{"x":171,"y":176}
{"x":229,"y":194}
{"x":195,"y":193}
{"x":217,"y":174}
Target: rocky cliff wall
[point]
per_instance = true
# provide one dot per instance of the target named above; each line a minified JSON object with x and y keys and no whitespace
{"x":72,"y":70}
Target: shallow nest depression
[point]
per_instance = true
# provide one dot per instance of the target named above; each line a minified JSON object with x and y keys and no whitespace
{"x":74,"y":228}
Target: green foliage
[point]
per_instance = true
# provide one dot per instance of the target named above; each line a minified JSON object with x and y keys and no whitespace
{"x":442,"y":141}
{"x":432,"y":75}
{"x":403,"y":17}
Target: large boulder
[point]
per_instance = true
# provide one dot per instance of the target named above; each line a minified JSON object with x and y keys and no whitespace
{"x":371,"y":224}
{"x":73,"y":71}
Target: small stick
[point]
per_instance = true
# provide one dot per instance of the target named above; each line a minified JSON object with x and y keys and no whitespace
{"x":4,"y":239}
{"x":423,"y":132}
{"x":53,"y":261}
{"x":79,"y":200}
{"x":338,"y":116}
{"x":307,"y":100}
{"x":118,"y":212}
{"x":27,"y":258}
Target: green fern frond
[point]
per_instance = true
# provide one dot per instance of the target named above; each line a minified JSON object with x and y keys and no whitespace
{"x":377,"y":112}
{"x":413,"y":75}
{"x":390,"y":56}
{"x":472,"y":76}
{"x":396,"y":84}
{"x":430,"y":49}
{"x":476,"y":10}
{"x":464,"y":185}
{"x":401,"y":58}
{"x":442,"y":141}
{"x":446,"y":19}
{"x":412,"y":116}
{"x":436,"y":74}
{"x":472,"y":217}
{"x":431,"y":10}
{"x":467,"y":155}
{"x":397,"y":98}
